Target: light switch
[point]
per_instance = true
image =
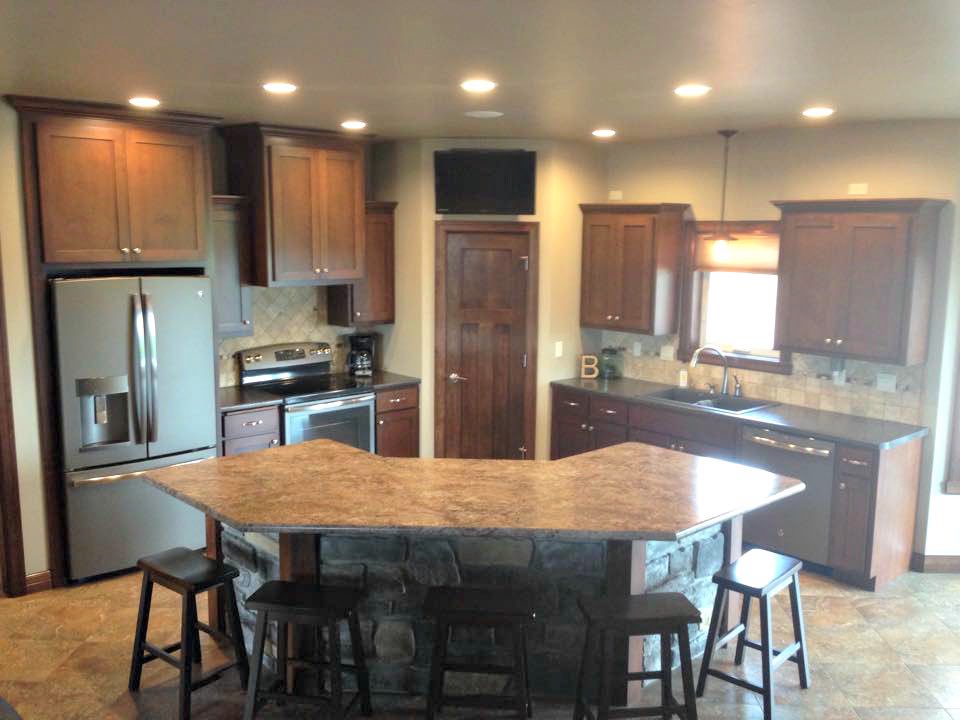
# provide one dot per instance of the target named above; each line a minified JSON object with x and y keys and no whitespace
{"x":668,"y":353}
{"x":857,"y":189}
{"x":558,"y":349}
{"x":615,"y":195}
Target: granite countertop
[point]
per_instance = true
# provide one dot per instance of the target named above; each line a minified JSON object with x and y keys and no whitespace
{"x":833,"y":426}
{"x":239,"y":397}
{"x":630,"y":491}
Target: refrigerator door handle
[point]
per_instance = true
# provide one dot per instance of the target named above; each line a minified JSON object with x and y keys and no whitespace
{"x":139,"y":369}
{"x":152,"y":410}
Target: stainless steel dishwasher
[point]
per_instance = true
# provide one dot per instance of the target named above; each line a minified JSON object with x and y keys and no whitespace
{"x":800,"y":525}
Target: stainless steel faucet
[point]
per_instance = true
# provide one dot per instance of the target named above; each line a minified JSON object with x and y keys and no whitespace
{"x":723,"y":359}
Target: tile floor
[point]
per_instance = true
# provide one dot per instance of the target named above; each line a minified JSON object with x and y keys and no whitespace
{"x":892,"y":655}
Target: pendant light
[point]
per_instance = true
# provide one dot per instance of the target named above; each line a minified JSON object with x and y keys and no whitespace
{"x":722,"y":237}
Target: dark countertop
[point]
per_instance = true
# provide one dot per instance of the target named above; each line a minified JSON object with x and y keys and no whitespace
{"x":834,"y":426}
{"x":238,"y":397}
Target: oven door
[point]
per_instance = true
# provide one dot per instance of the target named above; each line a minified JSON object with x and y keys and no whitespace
{"x":348,"y":420}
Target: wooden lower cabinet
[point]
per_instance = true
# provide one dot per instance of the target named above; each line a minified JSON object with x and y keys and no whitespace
{"x":398,"y":423}
{"x":570,"y":437}
{"x":238,"y":446}
{"x":249,"y":430}
{"x":850,"y":523}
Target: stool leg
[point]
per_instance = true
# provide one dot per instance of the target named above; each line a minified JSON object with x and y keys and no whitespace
{"x":519,"y":676}
{"x":436,"y":669}
{"x":579,"y":706}
{"x":197,"y":652}
{"x":143,"y":620}
{"x":745,"y":621}
{"x":711,"y":639}
{"x":283,"y":633}
{"x":360,"y":662}
{"x":236,"y":632}
{"x":188,"y":629}
{"x":606,"y":670}
{"x":526,"y":670}
{"x":666,"y":680}
{"x":686,"y":670}
{"x":336,"y":669}
{"x":766,"y":651}
{"x":799,"y":634}
{"x":256,"y":663}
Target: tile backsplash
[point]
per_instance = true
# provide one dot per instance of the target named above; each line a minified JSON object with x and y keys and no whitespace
{"x":282,"y":315}
{"x":810,"y":385}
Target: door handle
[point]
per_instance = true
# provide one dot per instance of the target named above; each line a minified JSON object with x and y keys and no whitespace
{"x":139,"y":369}
{"x":455,"y":377}
{"x":153,"y":420}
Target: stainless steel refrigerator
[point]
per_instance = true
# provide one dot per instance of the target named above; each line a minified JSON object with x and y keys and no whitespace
{"x":137,"y":392}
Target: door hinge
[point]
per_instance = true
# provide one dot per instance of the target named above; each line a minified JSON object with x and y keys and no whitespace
{"x":525,"y":261}
{"x":523,"y":360}
{"x":523,"y":452}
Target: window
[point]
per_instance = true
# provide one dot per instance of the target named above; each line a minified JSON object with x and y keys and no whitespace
{"x":739,"y":312}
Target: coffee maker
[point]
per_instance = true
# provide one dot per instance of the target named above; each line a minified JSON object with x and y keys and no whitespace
{"x":362,"y":355}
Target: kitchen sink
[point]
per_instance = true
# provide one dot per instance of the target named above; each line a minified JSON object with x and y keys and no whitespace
{"x":700,"y":399}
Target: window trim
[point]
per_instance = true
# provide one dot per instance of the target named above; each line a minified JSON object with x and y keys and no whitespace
{"x":691,"y":290}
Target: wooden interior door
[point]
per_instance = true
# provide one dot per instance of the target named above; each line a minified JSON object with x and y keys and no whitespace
{"x":878,"y":247}
{"x":486,"y":339}
{"x":636,"y":262}
{"x":168,"y":193}
{"x":813,"y":281}
{"x":342,"y":228}
{"x":83,"y":191}
{"x":295,"y":231}
{"x":602,"y":273}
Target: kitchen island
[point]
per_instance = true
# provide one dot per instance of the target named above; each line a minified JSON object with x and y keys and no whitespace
{"x":623,"y":520}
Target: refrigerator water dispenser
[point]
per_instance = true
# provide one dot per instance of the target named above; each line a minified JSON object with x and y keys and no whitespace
{"x":104,"y":411}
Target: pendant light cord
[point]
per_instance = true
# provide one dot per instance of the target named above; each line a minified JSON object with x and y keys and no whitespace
{"x":727,"y":134}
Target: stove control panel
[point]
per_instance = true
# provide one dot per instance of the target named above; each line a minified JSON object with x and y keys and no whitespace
{"x":278,"y":357}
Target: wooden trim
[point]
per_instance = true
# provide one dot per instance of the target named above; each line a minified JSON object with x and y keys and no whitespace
{"x":39,"y":581}
{"x":864,"y":205}
{"x":443,"y":228}
{"x":381,"y":205}
{"x":652,"y":209}
{"x":13,"y":581}
{"x":935,"y":563}
{"x":54,"y":106}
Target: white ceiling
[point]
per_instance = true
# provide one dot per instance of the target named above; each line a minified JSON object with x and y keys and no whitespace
{"x":564,"y":66}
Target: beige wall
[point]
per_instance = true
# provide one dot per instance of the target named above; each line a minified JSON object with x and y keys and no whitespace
{"x":896,"y":159}
{"x":19,"y":337}
{"x":567,"y":174}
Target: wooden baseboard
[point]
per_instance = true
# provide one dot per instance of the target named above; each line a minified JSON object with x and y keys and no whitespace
{"x":935,"y":563}
{"x":39,"y":581}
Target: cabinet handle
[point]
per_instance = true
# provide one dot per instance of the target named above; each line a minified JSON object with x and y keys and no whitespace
{"x":828,"y":340}
{"x":571,"y":403}
{"x":583,"y":426}
{"x":851,"y":461}
{"x":125,"y":251}
{"x":252,"y":423}
{"x":609,"y":317}
{"x":137,"y":251}
{"x":274,"y":442}
{"x":396,"y":400}
{"x":843,"y":486}
{"x":608,"y":411}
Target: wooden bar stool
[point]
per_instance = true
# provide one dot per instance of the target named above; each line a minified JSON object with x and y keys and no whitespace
{"x":663,"y":614}
{"x":483,"y":607}
{"x":187,"y":573}
{"x":758,"y":574}
{"x":320,"y":606}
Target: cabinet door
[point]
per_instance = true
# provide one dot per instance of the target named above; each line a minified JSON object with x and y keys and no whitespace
{"x":239,"y":446}
{"x":813,"y":281}
{"x":850,"y":523}
{"x":398,"y":433}
{"x":342,"y":206}
{"x":168,"y":191}
{"x":600,"y":292}
{"x":373,"y":294}
{"x":607,"y":434}
{"x":295,"y":186}
{"x":877,"y":285}
{"x":651,"y":438}
{"x":571,"y":438}
{"x":83,"y":191}
{"x":233,"y":306}
{"x":636,"y":267}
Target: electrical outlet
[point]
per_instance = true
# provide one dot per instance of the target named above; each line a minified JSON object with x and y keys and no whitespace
{"x":668,"y":352}
{"x":886,"y":382}
{"x":857,"y":189}
{"x":615,"y":195}
{"x":558,"y":349}
{"x":637,"y":348}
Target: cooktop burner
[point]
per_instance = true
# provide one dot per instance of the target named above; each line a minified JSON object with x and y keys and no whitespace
{"x":314,"y":387}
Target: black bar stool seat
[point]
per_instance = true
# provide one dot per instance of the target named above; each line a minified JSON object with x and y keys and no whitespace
{"x":510,"y":608}
{"x":187,"y":573}
{"x":663,"y":614}
{"x":321,"y":606}
{"x":757,"y":574}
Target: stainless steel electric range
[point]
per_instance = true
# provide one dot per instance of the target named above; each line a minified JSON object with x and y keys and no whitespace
{"x":316,"y":403}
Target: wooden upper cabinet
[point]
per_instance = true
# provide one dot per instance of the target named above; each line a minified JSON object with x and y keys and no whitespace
{"x":230,"y":248}
{"x":632,"y":256}
{"x":370,"y":299}
{"x":307,"y":190}
{"x":167,"y":180}
{"x":82,"y":173}
{"x":856,"y":278}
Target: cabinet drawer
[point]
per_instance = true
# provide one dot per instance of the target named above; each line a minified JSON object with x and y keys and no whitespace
{"x":608,"y":410}
{"x":855,"y":461}
{"x":650,"y":438}
{"x":571,"y":404}
{"x":251,"y":422}
{"x":716,"y":431}
{"x":401,"y":399}
{"x":238,"y":446}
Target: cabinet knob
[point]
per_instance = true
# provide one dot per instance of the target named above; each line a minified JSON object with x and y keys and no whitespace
{"x":681,"y":448}
{"x":583,"y":426}
{"x":326,"y":270}
{"x":396,"y":400}
{"x":616,"y":317}
{"x":317,"y":270}
{"x":590,"y":428}
{"x":246,"y":322}
{"x":828,"y":340}
{"x":839,"y":341}
{"x":609,"y":317}
{"x":274,"y":441}
{"x":780,"y":532}
{"x":357,"y":313}
{"x":125,"y":251}
{"x":379,"y":422}
{"x":843,"y":486}
{"x":137,"y":251}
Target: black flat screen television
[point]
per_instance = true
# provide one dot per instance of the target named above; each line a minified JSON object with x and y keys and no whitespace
{"x":485,"y":182}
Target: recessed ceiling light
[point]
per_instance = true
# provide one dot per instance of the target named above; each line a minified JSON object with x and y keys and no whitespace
{"x":484,"y":114}
{"x":353,"y":124}
{"x":478,"y":85}
{"x":692,"y":90}
{"x":144,"y":102}
{"x":604,"y":132}
{"x":818,"y":111}
{"x":279,"y":88}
